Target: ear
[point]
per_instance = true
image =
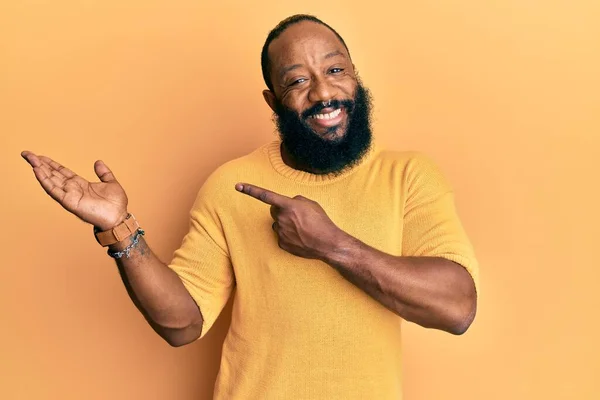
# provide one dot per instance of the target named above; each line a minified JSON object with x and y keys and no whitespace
{"x":269,"y":98}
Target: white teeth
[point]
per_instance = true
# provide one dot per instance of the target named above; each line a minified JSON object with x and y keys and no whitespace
{"x":331,"y":115}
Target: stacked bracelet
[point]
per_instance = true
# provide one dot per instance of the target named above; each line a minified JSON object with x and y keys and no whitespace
{"x":127,"y":250}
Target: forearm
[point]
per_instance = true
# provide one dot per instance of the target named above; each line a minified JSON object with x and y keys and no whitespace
{"x":430,"y":291}
{"x":159,"y":294}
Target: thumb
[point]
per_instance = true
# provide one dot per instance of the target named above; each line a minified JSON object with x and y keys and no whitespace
{"x":103,"y":172}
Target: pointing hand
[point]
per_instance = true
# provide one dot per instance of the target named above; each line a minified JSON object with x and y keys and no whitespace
{"x":302,"y":226}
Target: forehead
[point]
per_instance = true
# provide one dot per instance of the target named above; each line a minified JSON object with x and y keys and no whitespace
{"x":303,"y":41}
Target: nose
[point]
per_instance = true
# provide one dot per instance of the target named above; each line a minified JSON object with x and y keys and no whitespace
{"x":321,"y":90}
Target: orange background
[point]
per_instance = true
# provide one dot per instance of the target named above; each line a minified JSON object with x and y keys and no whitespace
{"x":504,"y":95}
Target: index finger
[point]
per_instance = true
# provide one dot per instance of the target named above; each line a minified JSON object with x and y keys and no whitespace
{"x":264,"y":195}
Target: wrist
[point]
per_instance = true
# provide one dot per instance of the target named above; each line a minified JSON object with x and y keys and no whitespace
{"x":118,"y":246}
{"x":105,"y":226}
{"x":125,"y":247}
{"x":336,"y":248}
{"x":119,"y":233}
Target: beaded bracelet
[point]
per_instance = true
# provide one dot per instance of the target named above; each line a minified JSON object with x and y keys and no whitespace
{"x":127,"y":250}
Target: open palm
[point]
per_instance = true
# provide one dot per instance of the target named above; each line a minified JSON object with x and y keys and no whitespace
{"x":103,"y":204}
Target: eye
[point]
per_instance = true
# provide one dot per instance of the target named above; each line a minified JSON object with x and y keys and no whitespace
{"x":336,"y":70}
{"x":298,"y":81}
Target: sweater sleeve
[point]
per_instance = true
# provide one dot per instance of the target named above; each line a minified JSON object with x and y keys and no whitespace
{"x":202,"y":261}
{"x":432,"y":227}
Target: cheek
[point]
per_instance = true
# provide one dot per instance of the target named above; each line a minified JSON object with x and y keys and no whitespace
{"x":349,"y":87}
{"x":294,"y":101}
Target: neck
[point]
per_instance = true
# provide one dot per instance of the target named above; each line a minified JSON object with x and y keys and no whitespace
{"x":289,"y":160}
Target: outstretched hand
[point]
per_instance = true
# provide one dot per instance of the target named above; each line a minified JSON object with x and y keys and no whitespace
{"x":302,"y":226}
{"x":103,"y":204}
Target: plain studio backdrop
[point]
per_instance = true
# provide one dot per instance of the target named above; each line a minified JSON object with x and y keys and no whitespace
{"x":504,"y":95}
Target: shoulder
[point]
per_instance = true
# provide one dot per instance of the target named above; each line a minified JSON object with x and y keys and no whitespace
{"x":413,"y":167}
{"x":404,"y":158}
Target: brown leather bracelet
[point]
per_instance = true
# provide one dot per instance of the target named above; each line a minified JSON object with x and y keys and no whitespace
{"x":118,"y":233}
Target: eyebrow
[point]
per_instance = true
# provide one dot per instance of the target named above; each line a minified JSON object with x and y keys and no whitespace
{"x":295,"y":66}
{"x":333,"y":54}
{"x":288,"y":69}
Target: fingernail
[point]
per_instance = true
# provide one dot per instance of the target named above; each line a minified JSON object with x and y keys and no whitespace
{"x":239,"y":187}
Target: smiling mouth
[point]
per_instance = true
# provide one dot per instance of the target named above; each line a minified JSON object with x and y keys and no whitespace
{"x":330,"y":115}
{"x":327,"y":120}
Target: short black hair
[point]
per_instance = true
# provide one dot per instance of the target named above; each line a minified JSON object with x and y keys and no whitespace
{"x":278,"y":30}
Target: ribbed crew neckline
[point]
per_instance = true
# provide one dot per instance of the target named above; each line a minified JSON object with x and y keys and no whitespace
{"x":274,"y":153}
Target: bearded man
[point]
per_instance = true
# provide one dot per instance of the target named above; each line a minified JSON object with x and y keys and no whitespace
{"x":330,"y":242}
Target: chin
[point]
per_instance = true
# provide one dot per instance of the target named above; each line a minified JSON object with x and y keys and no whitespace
{"x":333,"y":134}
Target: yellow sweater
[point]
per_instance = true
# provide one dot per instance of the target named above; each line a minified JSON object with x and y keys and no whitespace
{"x":299,"y":330}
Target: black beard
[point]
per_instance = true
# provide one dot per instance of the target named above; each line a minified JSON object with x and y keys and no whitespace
{"x":316,"y":154}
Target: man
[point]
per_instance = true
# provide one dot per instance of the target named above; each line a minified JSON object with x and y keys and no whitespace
{"x":330,"y":243}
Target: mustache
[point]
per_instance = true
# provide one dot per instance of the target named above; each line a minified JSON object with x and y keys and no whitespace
{"x":317,"y":108}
